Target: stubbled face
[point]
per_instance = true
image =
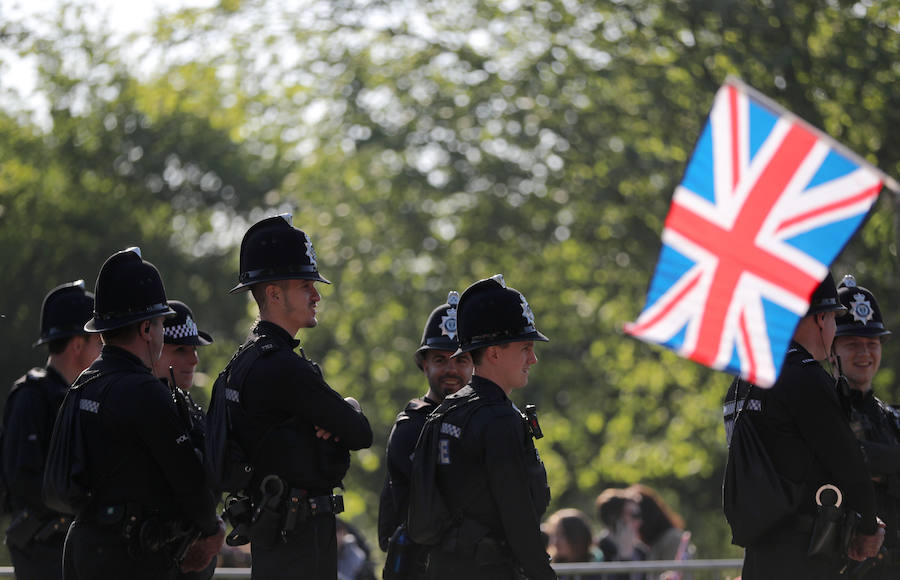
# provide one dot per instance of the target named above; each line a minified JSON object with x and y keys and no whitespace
{"x":860,"y":359}
{"x":183,"y":359}
{"x":516,"y":359}
{"x":446,"y":375}
{"x":300,"y":299}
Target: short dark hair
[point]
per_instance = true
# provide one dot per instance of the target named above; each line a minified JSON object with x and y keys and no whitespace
{"x":478,"y":353}
{"x":58,"y":345}
{"x":121,"y":334}
{"x":611,"y":503}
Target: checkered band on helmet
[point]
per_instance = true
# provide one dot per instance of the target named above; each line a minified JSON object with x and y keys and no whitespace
{"x":181,"y":328}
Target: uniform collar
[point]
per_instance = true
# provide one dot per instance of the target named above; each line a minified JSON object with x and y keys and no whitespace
{"x":487,"y":388}
{"x":117,"y":355}
{"x":266,"y":328}
{"x":56,"y":376}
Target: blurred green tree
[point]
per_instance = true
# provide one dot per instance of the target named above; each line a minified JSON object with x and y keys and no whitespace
{"x":424,"y":146}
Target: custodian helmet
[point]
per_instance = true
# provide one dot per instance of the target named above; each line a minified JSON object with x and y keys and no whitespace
{"x":825,"y":298}
{"x":491,"y":313}
{"x":129,"y":289}
{"x":273,"y":249}
{"x":181,"y":328}
{"x":65,"y":310}
{"x":863,"y":316}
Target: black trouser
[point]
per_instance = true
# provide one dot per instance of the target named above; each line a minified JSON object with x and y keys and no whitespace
{"x":782,"y":556}
{"x":309,"y":552}
{"x":100,"y":552}
{"x":39,"y":561}
{"x":443,"y":565}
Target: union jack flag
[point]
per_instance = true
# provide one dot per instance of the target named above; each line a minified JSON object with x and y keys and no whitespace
{"x":765,"y":205}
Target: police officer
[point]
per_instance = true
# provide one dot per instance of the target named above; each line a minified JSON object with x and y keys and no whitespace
{"x":36,"y":534}
{"x":296,"y":430}
{"x":176,"y":367}
{"x":804,"y":429}
{"x":489,"y":473}
{"x":147,"y":500}
{"x":857,"y":349}
{"x":445,"y":375}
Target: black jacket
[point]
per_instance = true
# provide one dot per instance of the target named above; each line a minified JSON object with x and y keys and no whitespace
{"x":491,"y":473}
{"x":808,"y":437}
{"x":877,"y":425}
{"x":394,"y":502}
{"x":138,"y":447}
{"x":28,"y":419}
{"x":286,"y":398}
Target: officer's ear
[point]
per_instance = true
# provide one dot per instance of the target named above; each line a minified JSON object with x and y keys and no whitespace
{"x":145,"y":330}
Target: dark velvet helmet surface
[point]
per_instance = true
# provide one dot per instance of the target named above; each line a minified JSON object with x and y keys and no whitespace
{"x":129,"y":289}
{"x":273,"y":249}
{"x":492,"y":313}
{"x":825,"y":298}
{"x":863,"y":316}
{"x":65,"y":311}
{"x":182,"y":329}
{"x":440,"y":331}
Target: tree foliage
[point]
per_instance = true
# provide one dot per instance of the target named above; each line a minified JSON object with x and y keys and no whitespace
{"x":424,"y":146}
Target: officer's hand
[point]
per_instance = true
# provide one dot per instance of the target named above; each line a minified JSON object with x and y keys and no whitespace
{"x":323,"y":434}
{"x":864,"y":546}
{"x":203,"y":550}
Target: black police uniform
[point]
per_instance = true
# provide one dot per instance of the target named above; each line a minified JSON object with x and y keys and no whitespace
{"x":147,"y":493}
{"x":401,"y":443}
{"x":492,"y":477}
{"x":877,"y":425}
{"x":181,"y":329}
{"x":440,"y":333}
{"x":147,"y":499}
{"x":804,"y":428}
{"x":36,"y":533}
{"x":286,"y":398}
{"x":394,"y":502}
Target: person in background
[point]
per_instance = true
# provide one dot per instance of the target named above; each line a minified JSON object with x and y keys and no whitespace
{"x":804,"y":429}
{"x":445,"y":375}
{"x":661,"y":530}
{"x":176,"y":367}
{"x":147,"y":499}
{"x":570,"y":538}
{"x":619,"y":511}
{"x":36,"y":533}
{"x":856,"y":353}
{"x":353,"y":553}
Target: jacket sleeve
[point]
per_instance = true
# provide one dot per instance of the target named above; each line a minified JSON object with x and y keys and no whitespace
{"x":297,"y":385}
{"x":25,"y":438}
{"x":825,"y":429}
{"x":162,"y":431}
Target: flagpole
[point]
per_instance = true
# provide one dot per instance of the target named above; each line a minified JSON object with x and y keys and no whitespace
{"x":888,"y":181}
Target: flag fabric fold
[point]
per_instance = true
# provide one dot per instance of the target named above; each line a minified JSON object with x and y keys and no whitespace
{"x":765,"y":205}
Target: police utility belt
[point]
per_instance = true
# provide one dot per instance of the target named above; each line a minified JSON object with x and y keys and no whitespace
{"x":145,"y":530}
{"x":277,"y":512}
{"x":27,"y":527}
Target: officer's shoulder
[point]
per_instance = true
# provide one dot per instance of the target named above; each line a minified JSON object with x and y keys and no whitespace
{"x":27,"y":382}
{"x":418,"y":406}
{"x":32,"y":377}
